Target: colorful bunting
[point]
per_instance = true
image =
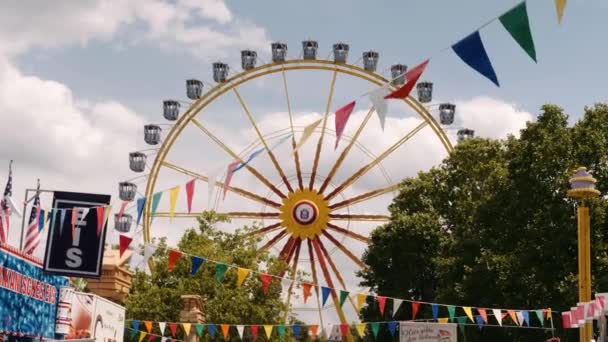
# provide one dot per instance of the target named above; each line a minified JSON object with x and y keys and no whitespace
{"x":344,"y":330}
{"x":313,"y":330}
{"x":161,"y":326}
{"x":307,"y":133}
{"x":513,"y":316}
{"x":415,"y":307}
{"x":155,"y":201}
{"x":341,"y":118}
{"x":306,"y":289}
{"x":151,"y":338}
{"x":220,"y":269}
{"x":100,"y":221}
{"x":140,"y":208}
{"x":443,"y":320}
{"x":520,"y":318}
{"x":396,"y":304}
{"x":173,"y":328}
{"x":360,"y":329}
{"x":296,"y":331}
{"x":211,"y":329}
{"x":517,"y":24}
{"x":254,"y":332}
{"x":467,"y":310}
{"x":540,"y":315}
{"x":361,"y":297}
{"x":196,"y":264}
{"x":225,"y":330}
{"x":252,"y":156}
{"x":343,"y":296}
{"x":241,"y":275}
{"x":268,"y":330}
{"x":381,"y":303}
{"x":560,"y":5}
{"x":392,"y":327}
{"x":435,"y":310}
{"x":412,"y":77}
{"x":149,"y":251}
{"x":190,"y":193}
{"x":266,"y":278}
{"x":526,"y":315}
{"x":375,"y":328}
{"x":121,"y":211}
{"x":148,"y":325}
{"x":281,"y":330}
{"x":186,"y":327}
{"x":451,"y":312}
{"x":199,"y":330}
{"x":173,"y":192}
{"x":229,"y":174}
{"x":135,"y":325}
{"x":124,"y":242}
{"x":240,"y":329}
{"x":141,"y":336}
{"x":380,"y":106}
{"x":483,"y":314}
{"x":498,"y":315}
{"x":472,"y":52}
{"x":479,"y":321}
{"x":325,"y":291}
{"x":174,"y":256}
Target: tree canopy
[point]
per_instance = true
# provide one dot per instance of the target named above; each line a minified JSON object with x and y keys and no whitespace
{"x":491,"y":226}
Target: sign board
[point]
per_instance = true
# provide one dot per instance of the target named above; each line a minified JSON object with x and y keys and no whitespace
{"x":109,"y":321}
{"x":74,"y":248}
{"x":28,"y":296}
{"x":81,"y":316}
{"x":427,"y":332}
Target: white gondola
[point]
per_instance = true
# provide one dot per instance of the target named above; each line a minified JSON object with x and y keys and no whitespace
{"x":425,"y":91}
{"x":465,"y":133}
{"x":248,"y":59}
{"x":447,"y":112}
{"x":220,"y":72}
{"x":340,"y":52}
{"x":122,"y":223}
{"x":398,"y":73}
{"x":309,"y":49}
{"x":152,"y":134}
{"x":194,"y":89}
{"x":137,"y":161}
{"x":171,"y":110}
{"x":279,"y":52}
{"x":370,"y":60}
{"x":127,"y":191}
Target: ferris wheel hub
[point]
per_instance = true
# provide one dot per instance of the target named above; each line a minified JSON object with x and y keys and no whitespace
{"x":304,"y":214}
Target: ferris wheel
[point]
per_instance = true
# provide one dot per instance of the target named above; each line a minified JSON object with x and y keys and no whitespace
{"x":312,"y":200}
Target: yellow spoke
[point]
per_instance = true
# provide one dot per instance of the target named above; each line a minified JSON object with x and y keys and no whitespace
{"x":364,"y":197}
{"x":230,"y":214}
{"x":358,"y":217}
{"x":296,"y":156}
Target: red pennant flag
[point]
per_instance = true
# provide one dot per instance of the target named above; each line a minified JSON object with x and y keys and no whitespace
{"x":313,"y":330}
{"x":415,"y":306}
{"x":100,"y":212}
{"x":344,"y":329}
{"x":483,"y":314}
{"x":342,"y":116}
{"x":124,"y":242}
{"x":123,"y":205}
{"x":381,"y":302}
{"x":412,"y":77}
{"x":190,"y":193}
{"x":254,"y":331}
{"x":566,"y":320}
{"x":229,"y":174}
{"x":306,"y":288}
{"x":266,"y":278}
{"x":74,"y":217}
{"x":173,"y":258}
{"x":151,"y":338}
{"x":173,"y":327}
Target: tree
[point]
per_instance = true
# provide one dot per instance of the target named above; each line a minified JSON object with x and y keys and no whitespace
{"x":491,"y":226}
{"x":157,"y":297}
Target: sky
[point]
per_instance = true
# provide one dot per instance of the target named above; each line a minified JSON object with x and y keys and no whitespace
{"x":79,"y":79}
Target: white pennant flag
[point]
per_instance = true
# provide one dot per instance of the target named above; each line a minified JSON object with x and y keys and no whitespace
{"x":286,"y":284}
{"x":240,"y":329}
{"x":164,"y":339}
{"x":14,"y":208}
{"x":396,"y":305}
{"x":379,"y":103}
{"x":135,"y":261}
{"x":149,"y":251}
{"x":162,"y":326}
{"x":520,"y":318}
{"x":498,"y":316}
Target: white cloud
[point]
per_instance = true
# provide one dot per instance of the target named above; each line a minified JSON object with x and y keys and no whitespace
{"x":490,"y":117}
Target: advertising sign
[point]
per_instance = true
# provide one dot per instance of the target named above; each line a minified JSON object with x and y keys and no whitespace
{"x":427,"y":332}
{"x":74,"y":247}
{"x":81,"y":316}
{"x":109,"y":321}
{"x":28,"y":297}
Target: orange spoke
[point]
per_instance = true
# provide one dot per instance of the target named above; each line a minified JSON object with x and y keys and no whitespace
{"x":274,"y":240}
{"x":267,"y":229}
{"x":337,"y":273}
{"x":288,"y":250}
{"x":294,"y":269}
{"x":344,"y":249}
{"x":328,"y":280}
{"x":364,"y":197}
{"x":230,"y":214}
{"x":359,"y":217}
{"x":315,"y":280}
{"x":348,"y":233}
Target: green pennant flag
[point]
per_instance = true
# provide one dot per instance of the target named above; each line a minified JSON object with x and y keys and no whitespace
{"x":343,"y":296}
{"x":199,"y":330}
{"x":375,"y":328}
{"x":281,"y":330}
{"x":451,"y":311}
{"x":539,"y":314}
{"x":517,"y":24}
{"x":461,"y":321}
{"x":220,"y":269}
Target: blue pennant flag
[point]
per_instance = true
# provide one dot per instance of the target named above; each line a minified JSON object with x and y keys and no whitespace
{"x":140,"y":208}
{"x":435,"y":310}
{"x":392,"y":327}
{"x":62,"y":220}
{"x":281,"y":141}
{"x":479,"y":321}
{"x":325,"y":291}
{"x":251,"y":157}
{"x":526,"y":316}
{"x":473,"y":53}
{"x":296,"y":330}
{"x":196,"y":264}
{"x":41,"y":220}
{"x":135,"y":325}
{"x":211,"y":329}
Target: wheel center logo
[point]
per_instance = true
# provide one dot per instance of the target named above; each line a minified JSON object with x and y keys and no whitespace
{"x":305,"y":212}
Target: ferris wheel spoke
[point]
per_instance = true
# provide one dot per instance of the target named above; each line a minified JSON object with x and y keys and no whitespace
{"x":274,"y":160}
{"x":273,"y":241}
{"x":249,"y":168}
{"x":344,"y":250}
{"x":375,"y":162}
{"x":240,"y":191}
{"x":294,"y":269}
{"x":328,"y":280}
{"x":288,"y":249}
{"x":315,"y":164}
{"x":359,"y":217}
{"x":267,"y":229}
{"x":345,"y":152}
{"x":348,"y":233}
{"x":296,"y":156}
{"x":313,"y":268}
{"x":364,"y":197}
{"x":230,"y":214}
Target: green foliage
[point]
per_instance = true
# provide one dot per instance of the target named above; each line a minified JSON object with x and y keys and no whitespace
{"x":492,"y":226}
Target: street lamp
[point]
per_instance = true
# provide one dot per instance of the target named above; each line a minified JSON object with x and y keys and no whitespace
{"x":582,"y":187}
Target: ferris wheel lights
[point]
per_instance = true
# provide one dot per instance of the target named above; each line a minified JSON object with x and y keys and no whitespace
{"x":122,"y":223}
{"x":309,"y":49}
{"x":465,"y":133}
{"x":340,"y":52}
{"x":194,"y":89}
{"x":425,"y":91}
{"x":398,"y":73}
{"x":137,"y":161}
{"x":248,"y":59}
{"x":171,"y":110}
{"x":220,"y":72}
{"x":446,"y":114}
{"x":279,"y":52}
{"x":152,"y":134}
{"x":370,"y":60}
{"x":127,"y":191}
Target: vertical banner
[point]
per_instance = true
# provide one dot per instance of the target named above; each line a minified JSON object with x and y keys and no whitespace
{"x":73,"y":247}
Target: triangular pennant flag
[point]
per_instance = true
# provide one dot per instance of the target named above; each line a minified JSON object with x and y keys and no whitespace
{"x":307,"y":133}
{"x":472,"y":52}
{"x":211,"y":329}
{"x":415,"y":307}
{"x":173,"y":328}
{"x":174,"y":256}
{"x":135,"y":325}
{"x":479,"y":321}
{"x":380,"y":106}
{"x":151,"y":338}
{"x":325,"y":291}
{"x":461,"y":322}
{"x":375,"y":328}
{"x":199,"y":330}
{"x":124,"y":242}
{"x":396,"y":304}
{"x":392,"y":327}
{"x":196,"y":264}
{"x":121,"y":211}
{"x":560,"y":5}
{"x":149,"y":251}
{"x":106,"y":214}
{"x":100,"y":221}
{"x":361,"y":297}
{"x":220,"y":269}
{"x":344,"y":330}
{"x":520,"y":318}
{"x":513,"y":316}
{"x":516,"y":23}
{"x":443,"y":320}
{"x":135,"y":261}
{"x":281,"y":330}
{"x":148,"y":325}
{"x":483,"y":314}
{"x":341,"y":118}
{"x":141,"y":336}
{"x":190,"y":194}
{"x":381,"y":303}
{"x":412,"y":77}
{"x":498,"y":315}
{"x":161,"y":326}
{"x":225,"y":330}
{"x":306,"y":289}
{"x":343,"y":296}
{"x":526,"y":316}
{"x":186,"y":327}
{"x":566,"y":320}
{"x":41,"y":218}
{"x":540,"y":315}
{"x":53,"y":217}
{"x":266,"y":278}
{"x":173,"y":192}
{"x":155,"y":201}
{"x":254,"y":332}
{"x":73,"y":220}
{"x":435,"y":310}
{"x":451,"y":312}
{"x":313,"y":330}
{"x":241,"y":275}
{"x":229,"y":174}
{"x":268,"y":330}
{"x":240,"y":329}
{"x":360,"y":329}
{"x":467,"y":310}
{"x":140,"y":208}
{"x":251,"y":157}
{"x":61,"y":220}
{"x":296,"y":331}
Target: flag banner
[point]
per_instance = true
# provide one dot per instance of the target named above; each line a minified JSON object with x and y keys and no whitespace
{"x":241,"y":275}
{"x":375,"y":329}
{"x":186,"y":327}
{"x":211,"y":329}
{"x":517,"y":24}
{"x":412,"y":77}
{"x":560,"y":5}
{"x":124,"y":242}
{"x":361,"y":329}
{"x":435,"y":310}
{"x":174,"y":256}
{"x":296,"y":331}
{"x":498,"y":315}
{"x":190,"y":194}
{"x":81,"y":257}
{"x":196,"y":264}
{"x":483,"y":314}
{"x":266,"y":278}
{"x":325,"y":293}
{"x":281,"y":330}
{"x":155,"y":202}
{"x":225,"y":330}
{"x":376,"y":97}
{"x":479,"y":321}
{"x":220,"y":270}
{"x":361,"y":297}
{"x":344,"y":330}
{"x":539,"y":314}
{"x":313,"y":330}
{"x":254,"y":331}
{"x":392,"y":328}
{"x":451,"y":312}
{"x":307,"y":133}
{"x":240,"y":329}
{"x":396,"y":305}
{"x":199,"y":330}
{"x":149,"y":251}
{"x":467,"y":310}
{"x":341,"y":118}
{"x":229,"y":174}
{"x":173,"y":328}
{"x":161,"y":326}
{"x":173,"y":192}
{"x":415,"y":307}
{"x":268,"y":330}
{"x":472,"y":52}
{"x":513,"y":316}
{"x":100,"y":219}
{"x":252,"y":156}
{"x":343,"y":296}
{"x":306,"y":291}
{"x":148,"y":325}
{"x":140,"y":208}
{"x":381,"y":303}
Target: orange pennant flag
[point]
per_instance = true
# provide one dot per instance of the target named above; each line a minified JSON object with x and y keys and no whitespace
{"x":225,"y":330}
{"x":148,"y":325}
{"x":560,"y":5}
{"x":306,"y":289}
{"x":173,"y":258}
{"x":313,"y":330}
{"x":415,"y":307}
{"x":513,"y":316}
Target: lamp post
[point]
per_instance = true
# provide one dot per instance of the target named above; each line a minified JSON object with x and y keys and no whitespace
{"x":582,"y":187}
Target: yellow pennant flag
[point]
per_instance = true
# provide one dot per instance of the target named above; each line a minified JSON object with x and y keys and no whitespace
{"x":361,"y":329}
{"x":225,"y":330}
{"x":268,"y":330}
{"x":361,"y":297}
{"x":46,"y":216}
{"x":560,"y":5}
{"x":106,"y":214}
{"x":549,"y":313}
{"x":141,"y":336}
{"x":173,"y":192}
{"x":467,"y":310}
{"x":307,"y":133}
{"x":443,"y":320}
{"x":186,"y":327}
{"x":241,"y":275}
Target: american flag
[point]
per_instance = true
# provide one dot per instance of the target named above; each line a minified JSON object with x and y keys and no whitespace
{"x":5,"y":211}
{"x":32,"y":238}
